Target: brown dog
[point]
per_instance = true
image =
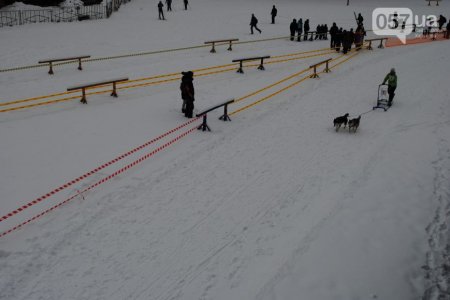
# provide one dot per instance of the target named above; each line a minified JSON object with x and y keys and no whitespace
{"x":353,"y":124}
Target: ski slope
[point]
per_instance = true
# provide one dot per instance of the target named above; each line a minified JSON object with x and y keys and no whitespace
{"x":272,"y":205}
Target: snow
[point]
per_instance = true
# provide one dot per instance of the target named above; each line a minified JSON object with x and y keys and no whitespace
{"x":272,"y":205}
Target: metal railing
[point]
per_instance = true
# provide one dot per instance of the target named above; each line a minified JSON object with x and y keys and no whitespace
{"x":64,"y":14}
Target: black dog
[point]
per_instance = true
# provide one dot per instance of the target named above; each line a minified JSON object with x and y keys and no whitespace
{"x":339,"y":121}
{"x":353,"y":124}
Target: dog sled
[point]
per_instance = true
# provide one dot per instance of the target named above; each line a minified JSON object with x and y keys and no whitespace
{"x":382,"y":100}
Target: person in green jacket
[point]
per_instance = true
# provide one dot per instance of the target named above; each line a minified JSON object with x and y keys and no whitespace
{"x":391,"y":80}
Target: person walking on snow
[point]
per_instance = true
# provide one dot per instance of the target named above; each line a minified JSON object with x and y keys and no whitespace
{"x":274,"y":14}
{"x":391,"y":80}
{"x":160,"y":11}
{"x":253,"y":23}
{"x":186,"y":3}
{"x":169,"y":5}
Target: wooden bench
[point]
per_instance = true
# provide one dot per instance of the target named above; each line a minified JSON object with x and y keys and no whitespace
{"x":50,"y":61}
{"x":369,"y":47}
{"x":429,"y":2}
{"x":240,"y":60}
{"x":204,"y":126}
{"x":83,"y":87}
{"x":326,"y":70}
{"x":213,"y":50}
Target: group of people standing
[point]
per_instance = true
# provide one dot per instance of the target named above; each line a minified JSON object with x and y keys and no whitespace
{"x":169,"y":8}
{"x":345,"y":39}
{"x":303,"y":29}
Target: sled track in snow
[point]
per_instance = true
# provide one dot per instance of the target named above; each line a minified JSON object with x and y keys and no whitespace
{"x":437,"y":268}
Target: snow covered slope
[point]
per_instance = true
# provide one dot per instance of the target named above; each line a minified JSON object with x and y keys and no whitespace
{"x":273,"y":205}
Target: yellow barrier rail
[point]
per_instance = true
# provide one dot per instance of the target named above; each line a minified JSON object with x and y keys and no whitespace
{"x":285,"y":88}
{"x":137,"y":54}
{"x":325,"y":51}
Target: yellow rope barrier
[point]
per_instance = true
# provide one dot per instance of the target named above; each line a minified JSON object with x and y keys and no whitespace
{"x":134,"y":54}
{"x":147,"y":84}
{"x":285,"y":88}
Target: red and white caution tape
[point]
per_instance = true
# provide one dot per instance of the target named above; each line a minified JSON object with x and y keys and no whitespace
{"x":134,"y":163}
{"x":84,"y":176}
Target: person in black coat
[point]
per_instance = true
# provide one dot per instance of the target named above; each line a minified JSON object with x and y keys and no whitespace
{"x":169,"y":5}
{"x":253,"y":23}
{"x":318,"y":29}
{"x":346,"y":37}
{"x":273,"y":13}
{"x":160,"y":11}
{"x":306,"y":29}
{"x":325,"y":31}
{"x":187,"y":93}
{"x":352,"y":37}
{"x":338,"y":40}
{"x":293,"y":28}
{"x":186,"y":3}
{"x":333,"y":31}
{"x":360,"y":19}
{"x":299,"y":29}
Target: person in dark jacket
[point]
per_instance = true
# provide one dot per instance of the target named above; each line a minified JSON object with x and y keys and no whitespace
{"x":442,"y":20}
{"x":160,"y":11}
{"x":253,"y":23}
{"x":359,"y":37}
{"x":352,"y":37}
{"x":325,"y":31}
{"x":360,"y":19}
{"x":299,"y":29}
{"x":318,"y":34}
{"x":306,"y":29}
{"x":333,"y":31}
{"x":273,"y":13}
{"x":346,"y":41}
{"x":391,"y":80}
{"x":169,"y":5}
{"x":338,"y":40}
{"x":293,"y":28}
{"x":186,"y":3}
{"x":187,"y":93}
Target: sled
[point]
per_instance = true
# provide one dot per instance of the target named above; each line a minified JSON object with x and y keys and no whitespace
{"x":382,"y":100}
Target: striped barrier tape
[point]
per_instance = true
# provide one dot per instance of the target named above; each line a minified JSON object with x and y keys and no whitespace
{"x":134,"y":163}
{"x":84,"y":176}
